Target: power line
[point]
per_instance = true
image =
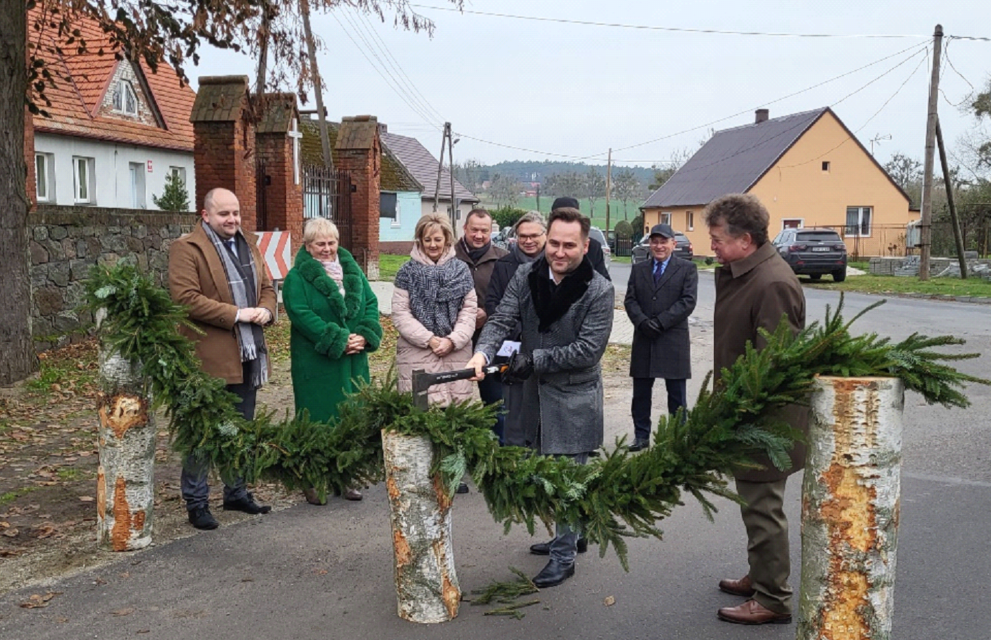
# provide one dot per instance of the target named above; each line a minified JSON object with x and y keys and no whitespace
{"x":398,"y":68}
{"x":642,"y":27}
{"x":402,"y":94}
{"x":946,"y":52}
{"x":790,"y":95}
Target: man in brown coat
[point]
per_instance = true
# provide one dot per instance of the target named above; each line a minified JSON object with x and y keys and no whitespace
{"x":755,"y":289}
{"x":217,"y":272}
{"x":475,"y":249}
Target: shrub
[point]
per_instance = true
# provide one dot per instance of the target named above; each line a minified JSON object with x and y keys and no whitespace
{"x":506,"y":217}
{"x":623,"y":229}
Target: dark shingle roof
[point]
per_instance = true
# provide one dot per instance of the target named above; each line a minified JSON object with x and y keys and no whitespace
{"x":732,"y":160}
{"x":423,"y":166}
{"x":395,"y":176}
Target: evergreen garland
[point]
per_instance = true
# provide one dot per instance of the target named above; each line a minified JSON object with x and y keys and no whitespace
{"x":615,"y":497}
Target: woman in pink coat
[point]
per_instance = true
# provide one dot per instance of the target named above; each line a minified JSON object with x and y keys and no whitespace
{"x":434,"y":309}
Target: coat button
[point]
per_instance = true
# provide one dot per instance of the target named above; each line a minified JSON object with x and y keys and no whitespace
{"x":654,"y":298}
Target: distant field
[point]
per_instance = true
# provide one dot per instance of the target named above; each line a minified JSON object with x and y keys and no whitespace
{"x":598,"y":216}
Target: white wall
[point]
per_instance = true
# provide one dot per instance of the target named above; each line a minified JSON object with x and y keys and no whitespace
{"x":112,"y":176}
{"x":444,"y":206}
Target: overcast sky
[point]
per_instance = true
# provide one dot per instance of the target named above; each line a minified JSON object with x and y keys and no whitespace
{"x":577,"y":90}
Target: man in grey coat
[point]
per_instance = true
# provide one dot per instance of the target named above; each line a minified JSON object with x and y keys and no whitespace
{"x":660,"y":296}
{"x":565,"y":309}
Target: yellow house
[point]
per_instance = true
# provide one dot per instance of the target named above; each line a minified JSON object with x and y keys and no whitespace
{"x":807,"y":168}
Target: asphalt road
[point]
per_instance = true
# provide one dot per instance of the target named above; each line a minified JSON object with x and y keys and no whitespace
{"x":311,"y":572}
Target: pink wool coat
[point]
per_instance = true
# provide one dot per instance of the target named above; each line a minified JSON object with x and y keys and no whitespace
{"x":413,"y":352}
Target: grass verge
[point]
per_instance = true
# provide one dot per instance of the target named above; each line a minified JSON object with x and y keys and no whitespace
{"x":954,"y":287}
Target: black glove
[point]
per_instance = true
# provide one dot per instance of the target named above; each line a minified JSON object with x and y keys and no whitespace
{"x":651,"y":328}
{"x":519,"y":369}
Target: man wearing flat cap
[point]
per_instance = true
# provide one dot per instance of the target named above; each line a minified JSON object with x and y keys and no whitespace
{"x":660,"y":296}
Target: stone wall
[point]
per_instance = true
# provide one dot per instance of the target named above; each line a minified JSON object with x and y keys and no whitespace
{"x":66,"y":241}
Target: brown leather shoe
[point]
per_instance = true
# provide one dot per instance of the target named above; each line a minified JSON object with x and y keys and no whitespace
{"x":752,"y":612}
{"x":742,"y":587}
{"x":353,"y":495}
{"x":312,"y":497}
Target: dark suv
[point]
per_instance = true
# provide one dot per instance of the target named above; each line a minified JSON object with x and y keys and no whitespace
{"x":682,"y":248}
{"x":813,"y":252}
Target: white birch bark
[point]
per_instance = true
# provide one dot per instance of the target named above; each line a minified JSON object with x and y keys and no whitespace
{"x":426,"y":583}
{"x":125,"y":489}
{"x":850,"y":506}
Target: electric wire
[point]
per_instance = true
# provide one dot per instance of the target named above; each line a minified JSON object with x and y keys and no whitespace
{"x":643,"y":27}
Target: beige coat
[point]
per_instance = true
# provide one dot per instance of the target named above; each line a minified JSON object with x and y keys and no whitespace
{"x":413,"y":351}
{"x":197,"y":280}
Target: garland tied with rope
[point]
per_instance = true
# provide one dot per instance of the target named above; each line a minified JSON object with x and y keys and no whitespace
{"x":617,"y":496}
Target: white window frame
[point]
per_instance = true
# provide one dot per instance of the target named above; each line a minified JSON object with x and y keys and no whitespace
{"x":83,"y":191}
{"x":801,"y":223}
{"x":690,"y":220}
{"x":44,"y":163}
{"x":123,"y":94}
{"x":397,"y":222}
{"x":178,"y":172}
{"x":859,"y":229}
{"x":664,"y":218}
{"x":139,"y":189}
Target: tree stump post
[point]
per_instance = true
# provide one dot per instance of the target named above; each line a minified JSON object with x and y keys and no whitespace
{"x":125,"y":489}
{"x":426,"y":583}
{"x":850,"y":507}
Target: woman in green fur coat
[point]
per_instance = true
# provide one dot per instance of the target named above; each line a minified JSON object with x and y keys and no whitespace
{"x":335,"y":323}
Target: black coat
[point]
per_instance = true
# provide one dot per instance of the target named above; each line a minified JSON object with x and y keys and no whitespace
{"x":597,"y":257}
{"x":671,"y":301}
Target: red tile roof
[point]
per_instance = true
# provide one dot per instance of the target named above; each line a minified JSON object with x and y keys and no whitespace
{"x":82,"y":81}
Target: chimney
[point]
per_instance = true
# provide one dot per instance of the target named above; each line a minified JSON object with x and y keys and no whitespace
{"x":761,"y":115}
{"x":383,"y":128}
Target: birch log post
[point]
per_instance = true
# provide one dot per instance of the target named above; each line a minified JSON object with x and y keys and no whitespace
{"x":850,"y":506}
{"x":426,"y":583}
{"x":125,"y":489}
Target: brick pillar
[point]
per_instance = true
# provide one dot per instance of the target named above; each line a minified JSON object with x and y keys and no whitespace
{"x":224,"y":142}
{"x":359,"y":151}
{"x":29,"y":159}
{"x":281,"y":184}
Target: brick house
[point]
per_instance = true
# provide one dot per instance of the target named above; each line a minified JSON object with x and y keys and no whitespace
{"x":807,"y":168}
{"x":114,"y":130}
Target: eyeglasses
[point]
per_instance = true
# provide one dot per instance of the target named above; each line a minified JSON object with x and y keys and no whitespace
{"x":527,"y":238}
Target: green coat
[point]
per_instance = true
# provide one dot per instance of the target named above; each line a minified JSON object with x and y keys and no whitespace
{"x":321,"y":322}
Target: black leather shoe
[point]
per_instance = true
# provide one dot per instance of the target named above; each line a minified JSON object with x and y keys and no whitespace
{"x":544,"y":548}
{"x":201,"y":518}
{"x":246,"y":504}
{"x":553,"y":574}
{"x":639,"y":445}
{"x":462,"y":488}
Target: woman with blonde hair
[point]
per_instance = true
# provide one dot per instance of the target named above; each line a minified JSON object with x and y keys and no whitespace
{"x":434,"y":309}
{"x":335,"y":324}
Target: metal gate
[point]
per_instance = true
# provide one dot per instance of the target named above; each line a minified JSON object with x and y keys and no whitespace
{"x":327,"y":194}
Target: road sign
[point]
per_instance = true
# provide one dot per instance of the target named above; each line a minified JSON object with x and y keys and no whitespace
{"x":275,"y":247}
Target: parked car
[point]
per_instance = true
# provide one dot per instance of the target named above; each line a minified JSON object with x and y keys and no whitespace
{"x":596,"y":233}
{"x":813,"y":252}
{"x":682,"y":248}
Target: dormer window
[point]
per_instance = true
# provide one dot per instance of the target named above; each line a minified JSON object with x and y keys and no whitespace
{"x":125,"y":100}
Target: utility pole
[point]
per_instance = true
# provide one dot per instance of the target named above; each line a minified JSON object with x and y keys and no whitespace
{"x":443,"y":144}
{"x":927,"y":176}
{"x":608,"y":190}
{"x":311,"y":47}
{"x":957,"y":236}
{"x":450,"y":162}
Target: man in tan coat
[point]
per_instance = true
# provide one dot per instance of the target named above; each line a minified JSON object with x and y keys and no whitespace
{"x":755,"y":289}
{"x":217,"y":272}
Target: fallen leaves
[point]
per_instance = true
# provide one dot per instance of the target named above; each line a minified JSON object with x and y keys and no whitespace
{"x":38,"y":601}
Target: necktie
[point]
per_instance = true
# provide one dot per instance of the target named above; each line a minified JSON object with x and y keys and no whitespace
{"x":232,"y":246}
{"x":658,"y":271}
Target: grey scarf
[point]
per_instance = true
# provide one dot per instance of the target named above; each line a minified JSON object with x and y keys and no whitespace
{"x":436,"y":292}
{"x":521,"y":257}
{"x":250,"y":337}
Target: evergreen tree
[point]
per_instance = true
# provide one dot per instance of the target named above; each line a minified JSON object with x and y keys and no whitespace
{"x":175,"y":197}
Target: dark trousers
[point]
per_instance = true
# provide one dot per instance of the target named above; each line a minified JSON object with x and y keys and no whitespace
{"x":490,"y":389}
{"x":642,"y":390}
{"x":193,"y":480}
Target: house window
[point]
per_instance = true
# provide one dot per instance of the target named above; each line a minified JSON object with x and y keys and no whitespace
{"x":178,"y":175}
{"x":858,"y":221}
{"x":825,"y":166}
{"x":792,"y":223}
{"x":690,"y":220}
{"x":137,"y":170}
{"x":82,"y":178}
{"x":388,"y":203}
{"x":44,"y":173}
{"x":125,"y":100}
{"x":665,"y":218}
